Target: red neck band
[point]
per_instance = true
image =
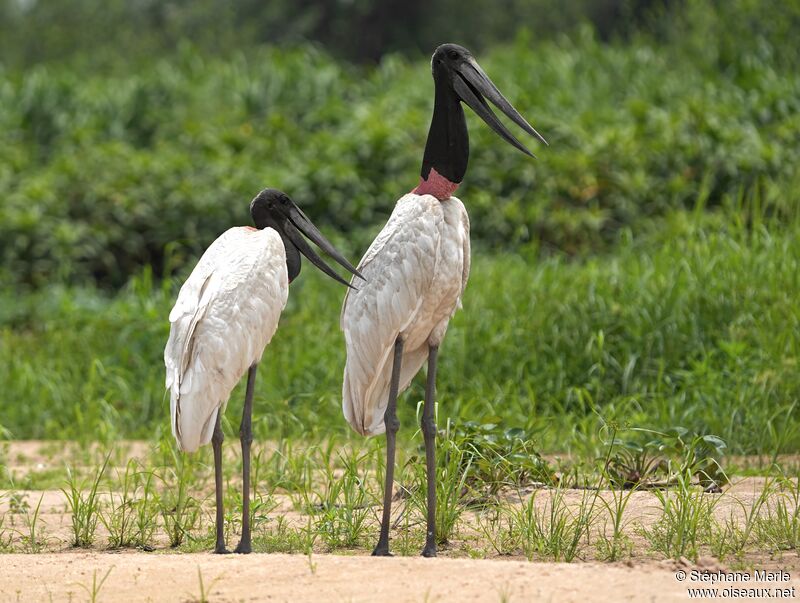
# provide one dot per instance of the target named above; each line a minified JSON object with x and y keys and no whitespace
{"x":436,"y":185}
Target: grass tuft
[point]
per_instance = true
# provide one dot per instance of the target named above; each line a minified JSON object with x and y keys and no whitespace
{"x":85,"y":509}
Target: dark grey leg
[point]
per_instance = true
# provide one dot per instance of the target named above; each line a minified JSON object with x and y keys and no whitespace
{"x":429,"y":433}
{"x":392,"y":425}
{"x":246,"y":436}
{"x":216,"y":444}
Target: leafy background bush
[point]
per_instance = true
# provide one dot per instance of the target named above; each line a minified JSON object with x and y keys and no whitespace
{"x":102,"y":173}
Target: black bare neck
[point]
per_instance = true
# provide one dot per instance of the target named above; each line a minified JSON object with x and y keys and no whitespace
{"x":447,"y":148}
{"x":292,"y":257}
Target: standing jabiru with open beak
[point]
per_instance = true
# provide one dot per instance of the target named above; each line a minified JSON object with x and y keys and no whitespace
{"x":226,"y":313}
{"x":416,"y":271}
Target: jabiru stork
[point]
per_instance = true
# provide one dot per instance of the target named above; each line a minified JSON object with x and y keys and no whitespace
{"x":226,"y":313}
{"x":416,"y":271}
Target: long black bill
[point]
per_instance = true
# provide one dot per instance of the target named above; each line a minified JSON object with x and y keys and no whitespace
{"x":471,"y":84}
{"x":300,"y":222}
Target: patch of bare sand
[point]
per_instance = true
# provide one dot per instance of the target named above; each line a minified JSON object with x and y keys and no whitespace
{"x":295,"y":578}
{"x":38,"y":455}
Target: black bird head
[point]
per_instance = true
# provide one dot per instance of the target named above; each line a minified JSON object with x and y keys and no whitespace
{"x":274,"y":209}
{"x":456,"y":64}
{"x":459,"y":78}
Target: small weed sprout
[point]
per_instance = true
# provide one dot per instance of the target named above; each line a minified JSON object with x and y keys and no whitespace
{"x":146,"y":513}
{"x":286,"y":539}
{"x":453,"y":464}
{"x":204,"y":592}
{"x":623,"y":471}
{"x":6,"y":533}
{"x":780,"y":528}
{"x":615,"y":546}
{"x":500,"y":530}
{"x":730,"y":538}
{"x":85,"y":509}
{"x":342,"y":510}
{"x":94,"y":591}
{"x":687,"y":515}
{"x":554,"y":531}
{"x":31,"y":540}
{"x":119,"y":520}
{"x":131,"y":516}
{"x":179,"y":510}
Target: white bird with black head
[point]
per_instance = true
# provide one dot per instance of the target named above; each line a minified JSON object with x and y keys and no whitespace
{"x":416,"y":271}
{"x":226,"y":313}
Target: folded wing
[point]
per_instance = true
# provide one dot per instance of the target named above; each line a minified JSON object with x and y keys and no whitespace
{"x":226,"y":313}
{"x":399,"y":267}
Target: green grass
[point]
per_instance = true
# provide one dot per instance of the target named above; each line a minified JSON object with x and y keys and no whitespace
{"x":453,"y":464}
{"x":32,"y":539}
{"x":180,"y":510}
{"x":93,"y":591}
{"x":84,"y":507}
{"x":204,"y":590}
{"x":340,"y":518}
{"x":130,"y":517}
{"x":779,"y":530}
{"x":337,"y":508}
{"x":691,"y":323}
{"x":686,"y":516}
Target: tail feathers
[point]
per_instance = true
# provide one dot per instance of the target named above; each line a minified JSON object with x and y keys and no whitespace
{"x":192,"y":422}
{"x":352,"y":406}
{"x":365,"y":397}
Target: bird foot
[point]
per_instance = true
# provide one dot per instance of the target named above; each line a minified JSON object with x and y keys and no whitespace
{"x":381,"y":551}
{"x":243,"y":548}
{"x":429,"y":550}
{"x":221,"y":550}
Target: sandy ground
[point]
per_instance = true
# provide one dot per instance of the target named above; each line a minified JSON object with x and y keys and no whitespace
{"x":138,"y":577}
{"x":60,"y":573}
{"x":55,"y":530}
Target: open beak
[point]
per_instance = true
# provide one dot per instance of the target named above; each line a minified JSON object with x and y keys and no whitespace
{"x":472,"y":84}
{"x":299,"y":223}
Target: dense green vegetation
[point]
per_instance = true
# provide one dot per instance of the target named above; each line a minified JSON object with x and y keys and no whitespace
{"x":643,"y":270}
{"x":103,"y":174}
{"x":694,"y":324}
{"x":107,"y":32}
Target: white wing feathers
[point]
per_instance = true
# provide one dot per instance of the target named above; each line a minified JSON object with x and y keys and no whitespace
{"x":401,"y":295}
{"x":226,"y":313}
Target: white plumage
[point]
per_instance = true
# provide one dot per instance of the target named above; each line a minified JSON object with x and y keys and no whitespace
{"x":416,"y":271}
{"x":226,"y":314}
